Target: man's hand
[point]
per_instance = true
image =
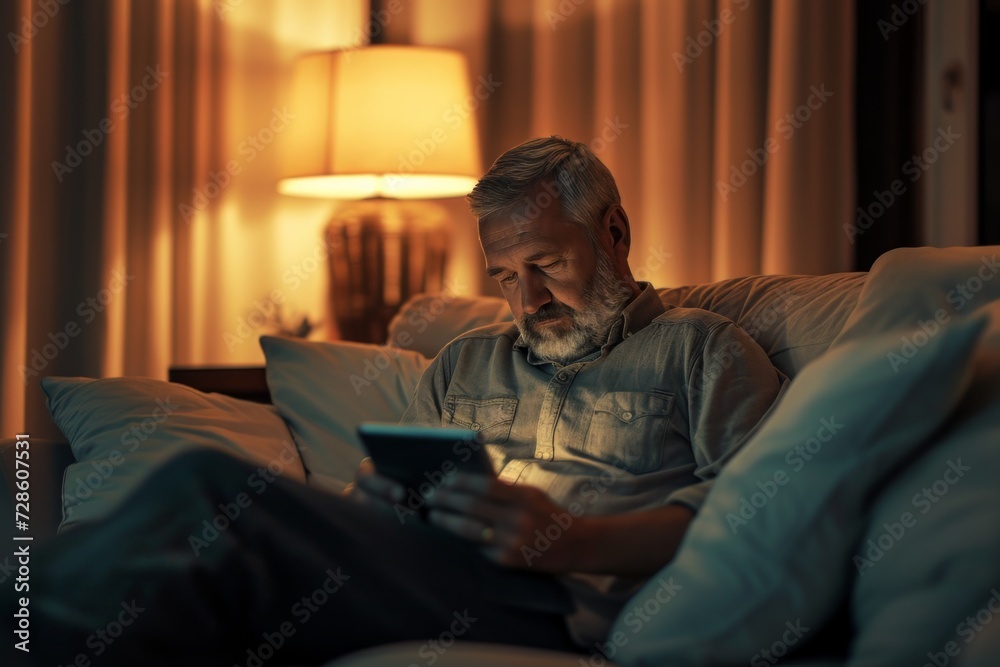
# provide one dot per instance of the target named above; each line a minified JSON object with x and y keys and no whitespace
{"x":507,"y":520}
{"x":501,"y":517}
{"x":373,"y":489}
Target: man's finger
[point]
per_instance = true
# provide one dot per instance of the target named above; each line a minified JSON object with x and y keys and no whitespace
{"x":377,"y":485}
{"x":472,"y":529}
{"x":475,"y":484}
{"x":476,"y":507}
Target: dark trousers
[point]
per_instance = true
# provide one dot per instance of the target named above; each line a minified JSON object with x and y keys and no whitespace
{"x":176,"y":577}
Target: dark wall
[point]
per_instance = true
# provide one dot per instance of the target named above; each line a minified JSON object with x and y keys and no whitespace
{"x":888,"y":98}
{"x":989,"y":123}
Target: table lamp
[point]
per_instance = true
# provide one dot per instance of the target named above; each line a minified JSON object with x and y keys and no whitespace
{"x":375,"y":126}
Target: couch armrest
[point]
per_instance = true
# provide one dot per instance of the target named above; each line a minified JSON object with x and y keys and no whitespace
{"x":47,"y":461}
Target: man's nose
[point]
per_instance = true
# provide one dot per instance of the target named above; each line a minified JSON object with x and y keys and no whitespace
{"x":534,"y":294}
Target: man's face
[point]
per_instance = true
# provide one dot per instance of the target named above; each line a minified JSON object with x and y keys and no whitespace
{"x":564,"y":293}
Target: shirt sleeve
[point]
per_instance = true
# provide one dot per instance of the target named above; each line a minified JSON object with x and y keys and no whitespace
{"x":426,"y":405}
{"x":732,"y":387}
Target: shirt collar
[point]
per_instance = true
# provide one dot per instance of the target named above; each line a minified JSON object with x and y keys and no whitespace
{"x":642,"y":310}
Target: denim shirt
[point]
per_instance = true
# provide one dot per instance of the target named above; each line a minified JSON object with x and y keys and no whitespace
{"x":648,"y":419}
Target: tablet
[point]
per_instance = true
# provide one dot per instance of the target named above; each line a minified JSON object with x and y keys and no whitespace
{"x":420,"y":456}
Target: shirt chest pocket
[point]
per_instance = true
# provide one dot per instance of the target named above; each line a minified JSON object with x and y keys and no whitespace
{"x":629,"y":428}
{"x":490,"y":417}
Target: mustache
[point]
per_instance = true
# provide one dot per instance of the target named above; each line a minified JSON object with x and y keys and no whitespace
{"x":549,"y":311}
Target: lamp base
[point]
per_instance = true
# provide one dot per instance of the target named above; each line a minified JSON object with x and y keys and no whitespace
{"x":382,"y":252}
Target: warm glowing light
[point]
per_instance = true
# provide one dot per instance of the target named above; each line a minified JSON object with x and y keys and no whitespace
{"x":382,"y":121}
{"x":364,"y":186}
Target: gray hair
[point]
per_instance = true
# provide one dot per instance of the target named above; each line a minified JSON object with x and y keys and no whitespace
{"x":530,"y":176}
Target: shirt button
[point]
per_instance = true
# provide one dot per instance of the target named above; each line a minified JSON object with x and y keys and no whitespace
{"x":476,"y":426}
{"x":626,"y":415}
{"x":561,"y":377}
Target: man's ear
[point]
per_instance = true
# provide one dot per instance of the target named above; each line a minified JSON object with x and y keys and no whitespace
{"x":616,"y":222}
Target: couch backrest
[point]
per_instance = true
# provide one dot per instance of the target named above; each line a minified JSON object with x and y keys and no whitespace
{"x":793,"y":318}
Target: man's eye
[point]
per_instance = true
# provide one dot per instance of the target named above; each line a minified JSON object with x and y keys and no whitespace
{"x":509,"y":279}
{"x":551,"y":265}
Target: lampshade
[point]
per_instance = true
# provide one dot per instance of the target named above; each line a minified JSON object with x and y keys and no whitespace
{"x":382,"y":121}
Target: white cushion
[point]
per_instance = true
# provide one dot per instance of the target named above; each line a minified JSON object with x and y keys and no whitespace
{"x":931,"y":554}
{"x":772,"y":544}
{"x":921,"y":288}
{"x":324,"y":390}
{"x":427,"y":322}
{"x":121,"y":429}
{"x":793,"y":318}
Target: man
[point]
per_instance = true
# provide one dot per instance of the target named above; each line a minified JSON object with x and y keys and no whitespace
{"x":606,"y":418}
{"x":596,"y":400}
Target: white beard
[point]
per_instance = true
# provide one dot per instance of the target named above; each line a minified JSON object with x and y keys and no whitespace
{"x":604,"y":300}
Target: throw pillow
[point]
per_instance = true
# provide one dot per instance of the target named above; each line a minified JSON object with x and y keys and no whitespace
{"x":428,"y":322}
{"x":324,"y":390}
{"x":121,"y":429}
{"x":767,"y":560}
{"x":923,"y":289}
{"x":927,"y":570}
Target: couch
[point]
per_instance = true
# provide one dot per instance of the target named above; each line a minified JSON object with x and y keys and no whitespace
{"x":843,"y":339}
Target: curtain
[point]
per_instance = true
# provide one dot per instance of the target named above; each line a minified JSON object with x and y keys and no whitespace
{"x":88,"y":286}
{"x":728,"y":123}
{"x":141,"y":225}
{"x":123,"y":247}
